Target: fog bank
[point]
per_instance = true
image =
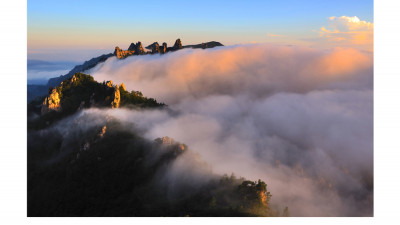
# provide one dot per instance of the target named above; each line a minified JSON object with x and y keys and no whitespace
{"x":299,"y":118}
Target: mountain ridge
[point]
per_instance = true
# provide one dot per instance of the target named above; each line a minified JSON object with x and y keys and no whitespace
{"x":133,"y":50}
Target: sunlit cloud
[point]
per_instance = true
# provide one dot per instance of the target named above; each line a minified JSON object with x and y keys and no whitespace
{"x":348,"y":30}
{"x":299,"y":118}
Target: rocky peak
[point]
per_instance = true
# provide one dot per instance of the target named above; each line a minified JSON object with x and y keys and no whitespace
{"x":122,"y":85}
{"x":163,"y":48}
{"x":155,"y":47}
{"x":132,"y":47}
{"x":178,"y":44}
{"x":122,"y":53}
{"x":51,"y":103}
{"x":109,"y":83}
{"x":137,"y":48}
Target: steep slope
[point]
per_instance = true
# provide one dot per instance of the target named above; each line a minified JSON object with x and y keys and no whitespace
{"x":80,"y":168}
{"x":79,"y":68}
{"x":84,"y":162}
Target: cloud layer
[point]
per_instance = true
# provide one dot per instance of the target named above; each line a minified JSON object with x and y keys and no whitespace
{"x":350,"y":30}
{"x":298,"y":118}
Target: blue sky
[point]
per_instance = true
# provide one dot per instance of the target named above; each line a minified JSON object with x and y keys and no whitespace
{"x":57,"y":28}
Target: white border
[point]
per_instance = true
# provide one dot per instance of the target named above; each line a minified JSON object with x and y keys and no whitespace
{"x":13,"y":21}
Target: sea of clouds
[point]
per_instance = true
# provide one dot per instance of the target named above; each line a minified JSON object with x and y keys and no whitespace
{"x":299,"y":118}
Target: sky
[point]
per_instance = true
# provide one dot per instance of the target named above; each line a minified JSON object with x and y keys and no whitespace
{"x":78,"y":30}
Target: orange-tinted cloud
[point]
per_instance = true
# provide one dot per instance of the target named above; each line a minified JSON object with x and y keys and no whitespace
{"x":260,"y":69}
{"x":348,"y":30}
{"x":243,"y":107}
{"x":339,"y":63}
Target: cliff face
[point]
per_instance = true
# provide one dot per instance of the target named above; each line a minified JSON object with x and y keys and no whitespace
{"x":81,"y":91}
{"x":116,"y":97}
{"x":51,"y":103}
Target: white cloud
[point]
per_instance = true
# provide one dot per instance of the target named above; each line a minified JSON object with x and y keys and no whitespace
{"x":348,"y":30}
{"x":298,"y":118}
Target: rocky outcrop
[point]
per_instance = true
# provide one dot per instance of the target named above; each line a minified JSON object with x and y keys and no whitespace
{"x":137,"y":48}
{"x":155,"y":48}
{"x":109,"y":83}
{"x":121,"y":54}
{"x":116,"y":95}
{"x":177,"y":45}
{"x":80,"y":85}
{"x":163,"y":48}
{"x":52,"y":102}
{"x":116,"y":98}
{"x":122,"y":86}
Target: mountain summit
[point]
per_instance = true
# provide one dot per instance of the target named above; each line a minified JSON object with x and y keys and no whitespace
{"x":137,"y":49}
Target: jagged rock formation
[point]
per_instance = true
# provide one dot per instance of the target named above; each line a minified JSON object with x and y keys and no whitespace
{"x":121,"y":54}
{"x":82,"y":91}
{"x":155,"y":48}
{"x":177,"y":45}
{"x":116,"y":97}
{"x":134,"y":49}
{"x":164,"y":48}
{"x":51,"y":103}
{"x":82,"y":83}
{"x":109,"y":83}
{"x":137,"y":48}
{"x":122,"y":86}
